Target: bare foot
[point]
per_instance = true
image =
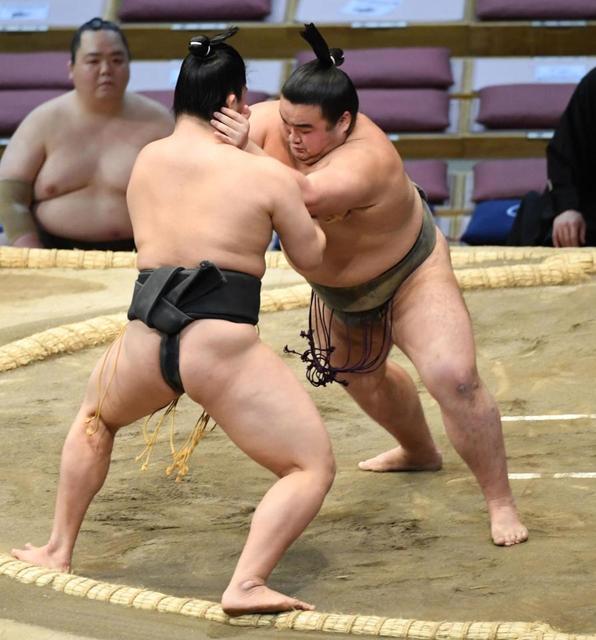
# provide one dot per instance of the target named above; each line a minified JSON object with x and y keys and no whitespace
{"x":399,"y":459}
{"x":41,"y":556}
{"x":252,"y":596}
{"x":505,"y":526}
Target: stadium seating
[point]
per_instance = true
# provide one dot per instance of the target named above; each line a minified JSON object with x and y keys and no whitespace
{"x":392,"y":67}
{"x":17,"y":103}
{"x":192,"y":11}
{"x":512,"y":178}
{"x":166,"y":97}
{"x":452,"y":80}
{"x":523,"y":106}
{"x":431,"y":175}
{"x":535,"y":9}
{"x":338,"y":11}
{"x":498,"y":186}
{"x":31,"y":16}
{"x":37,"y":70}
{"x":26,"y":81}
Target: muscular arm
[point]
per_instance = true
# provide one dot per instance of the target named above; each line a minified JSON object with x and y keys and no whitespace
{"x":19,"y":167}
{"x":337,"y":187}
{"x":301,"y":237}
{"x":331,"y":190}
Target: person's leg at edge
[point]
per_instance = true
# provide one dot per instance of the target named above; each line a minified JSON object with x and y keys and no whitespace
{"x":278,"y":426}
{"x":136,"y":390}
{"x":389,"y":396}
{"x":433,"y":328}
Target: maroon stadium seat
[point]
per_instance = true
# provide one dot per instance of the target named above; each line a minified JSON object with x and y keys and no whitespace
{"x":166,"y":97}
{"x":189,"y":10}
{"x":503,"y":179}
{"x":42,"y":70}
{"x":15,"y":104}
{"x":406,"y":109}
{"x":523,"y":106}
{"x":431,"y":175}
{"x":383,"y":68}
{"x":535,"y":9}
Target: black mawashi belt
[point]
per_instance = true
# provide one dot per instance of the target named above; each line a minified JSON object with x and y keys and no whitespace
{"x":170,"y":298}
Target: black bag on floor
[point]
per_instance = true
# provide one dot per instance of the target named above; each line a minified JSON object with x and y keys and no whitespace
{"x":534,"y":221}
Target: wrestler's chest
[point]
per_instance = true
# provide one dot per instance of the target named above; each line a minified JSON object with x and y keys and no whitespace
{"x":69,"y":166}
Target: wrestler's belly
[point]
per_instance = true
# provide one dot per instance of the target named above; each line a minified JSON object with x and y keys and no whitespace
{"x":91,"y":213}
{"x":353,"y":257}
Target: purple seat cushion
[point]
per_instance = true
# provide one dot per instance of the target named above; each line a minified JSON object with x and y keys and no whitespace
{"x":535,"y":9}
{"x":43,"y":70}
{"x":184,"y":10}
{"x":395,"y":67}
{"x":431,"y":175}
{"x":506,"y":179}
{"x":406,"y":109}
{"x":15,"y":104}
{"x":166,"y":97}
{"x":523,"y":106}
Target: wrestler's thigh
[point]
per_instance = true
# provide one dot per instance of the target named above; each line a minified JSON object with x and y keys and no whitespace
{"x":131,"y":384}
{"x":431,"y":323}
{"x":351,"y":342}
{"x":255,"y":398}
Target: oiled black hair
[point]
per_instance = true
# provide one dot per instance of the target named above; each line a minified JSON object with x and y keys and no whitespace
{"x":96,"y":24}
{"x":209,"y":73}
{"x":320,"y":82}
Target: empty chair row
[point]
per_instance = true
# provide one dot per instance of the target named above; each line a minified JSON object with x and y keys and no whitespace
{"x":402,"y":89}
{"x":492,"y":195}
{"x":64,"y":12}
{"x":381,"y":67}
{"x":338,"y":11}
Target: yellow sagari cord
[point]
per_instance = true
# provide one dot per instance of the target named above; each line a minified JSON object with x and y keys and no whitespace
{"x":102,"y":394}
{"x":180,"y":457}
{"x":15,"y":213}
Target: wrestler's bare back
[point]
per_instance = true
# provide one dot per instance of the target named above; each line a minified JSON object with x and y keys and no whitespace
{"x":192,"y":198}
{"x":80,"y":163}
{"x":362,"y":241}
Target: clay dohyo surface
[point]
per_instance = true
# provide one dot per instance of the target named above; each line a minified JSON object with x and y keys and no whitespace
{"x":411,"y":545}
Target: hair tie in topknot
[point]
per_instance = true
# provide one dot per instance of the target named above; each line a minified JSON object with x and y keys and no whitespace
{"x":326,"y":56}
{"x":201,"y":46}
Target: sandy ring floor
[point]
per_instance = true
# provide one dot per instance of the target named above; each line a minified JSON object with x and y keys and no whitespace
{"x":556,"y":344}
{"x":336,"y":623}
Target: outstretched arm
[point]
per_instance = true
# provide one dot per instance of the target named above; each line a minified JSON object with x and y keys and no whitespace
{"x":301,"y":237}
{"x":333,"y":189}
{"x":348,"y":181}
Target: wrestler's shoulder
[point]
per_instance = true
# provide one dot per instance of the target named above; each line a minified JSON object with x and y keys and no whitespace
{"x":267,"y":109}
{"x":369,"y":143}
{"x":143,"y":107}
{"x":268,"y":171}
{"x":267,"y":106}
{"x":50,"y":114}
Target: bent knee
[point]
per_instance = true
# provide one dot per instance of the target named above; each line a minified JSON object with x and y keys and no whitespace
{"x":320,"y":472}
{"x":453,"y":382}
{"x":96,"y":423}
{"x":327,"y":472}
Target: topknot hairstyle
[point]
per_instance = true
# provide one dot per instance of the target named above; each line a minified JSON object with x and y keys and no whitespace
{"x":327,"y":57}
{"x":95,"y":24}
{"x":201,"y":46}
{"x":320,"y":82}
{"x":209,"y":73}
